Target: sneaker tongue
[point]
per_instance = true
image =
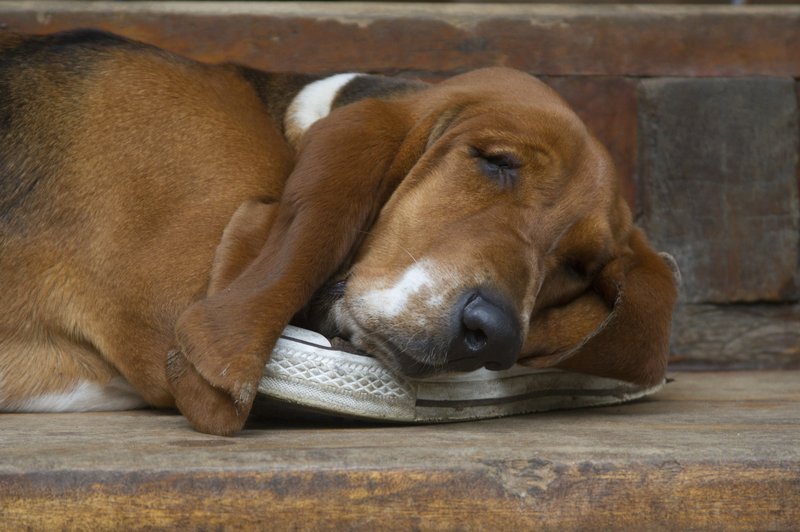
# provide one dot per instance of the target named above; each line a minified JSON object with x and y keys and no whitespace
{"x":292,"y":332}
{"x":305,"y":335}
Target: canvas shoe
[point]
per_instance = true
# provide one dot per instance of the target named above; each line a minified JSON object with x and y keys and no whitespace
{"x":306,"y":372}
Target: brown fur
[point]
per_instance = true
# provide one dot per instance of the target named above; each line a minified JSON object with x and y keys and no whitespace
{"x":140,"y":159}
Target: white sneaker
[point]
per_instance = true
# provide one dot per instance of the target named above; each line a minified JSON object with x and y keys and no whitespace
{"x":306,"y":372}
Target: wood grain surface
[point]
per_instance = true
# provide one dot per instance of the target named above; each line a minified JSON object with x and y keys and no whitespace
{"x":448,"y":38}
{"x":712,"y":450}
{"x":736,"y":336}
{"x":717,"y":165}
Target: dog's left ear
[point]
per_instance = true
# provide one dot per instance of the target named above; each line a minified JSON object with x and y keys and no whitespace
{"x":618,"y":328}
{"x":348,"y":165}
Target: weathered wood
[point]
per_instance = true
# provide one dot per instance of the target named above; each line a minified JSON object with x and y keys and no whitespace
{"x":552,"y":40}
{"x":712,"y":450}
{"x":797,"y":93}
{"x":718,"y":185}
{"x":736,"y":336}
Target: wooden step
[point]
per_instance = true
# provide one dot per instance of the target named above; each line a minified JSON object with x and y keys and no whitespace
{"x":712,"y":450}
{"x":556,"y":40}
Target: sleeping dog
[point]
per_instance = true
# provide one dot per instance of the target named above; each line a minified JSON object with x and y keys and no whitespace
{"x":162,"y":221}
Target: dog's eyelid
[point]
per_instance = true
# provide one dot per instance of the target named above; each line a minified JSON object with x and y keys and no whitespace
{"x":576,"y":268}
{"x":499,"y":158}
{"x":500,"y":167}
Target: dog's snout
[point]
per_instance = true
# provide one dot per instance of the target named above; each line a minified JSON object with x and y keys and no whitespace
{"x":487,"y":334}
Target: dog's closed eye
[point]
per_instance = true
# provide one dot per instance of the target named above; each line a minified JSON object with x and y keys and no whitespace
{"x":502,"y":168}
{"x":576,"y":269}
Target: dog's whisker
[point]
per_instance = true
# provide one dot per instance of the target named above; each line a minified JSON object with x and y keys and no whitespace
{"x":409,"y":254}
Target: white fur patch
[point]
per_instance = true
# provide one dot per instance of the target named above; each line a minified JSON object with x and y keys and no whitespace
{"x":85,"y":397}
{"x":393,"y":300}
{"x":314,"y":102}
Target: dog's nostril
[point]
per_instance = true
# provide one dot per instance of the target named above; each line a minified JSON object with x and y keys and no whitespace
{"x":487,"y":334}
{"x":475,"y":340}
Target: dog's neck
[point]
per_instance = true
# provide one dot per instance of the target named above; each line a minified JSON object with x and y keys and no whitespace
{"x":297,"y":101}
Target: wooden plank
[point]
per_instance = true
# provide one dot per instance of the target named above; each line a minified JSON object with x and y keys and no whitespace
{"x":717,"y":174}
{"x":598,"y":40}
{"x":736,"y":336}
{"x":797,"y":94}
{"x":713,"y":450}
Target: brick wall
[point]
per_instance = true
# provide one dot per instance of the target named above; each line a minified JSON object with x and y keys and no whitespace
{"x":697,"y":104}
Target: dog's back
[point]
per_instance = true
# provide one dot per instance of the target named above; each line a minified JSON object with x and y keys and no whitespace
{"x":120,"y":165}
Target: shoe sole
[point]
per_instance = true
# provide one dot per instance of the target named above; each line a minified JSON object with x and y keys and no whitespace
{"x":306,"y":372}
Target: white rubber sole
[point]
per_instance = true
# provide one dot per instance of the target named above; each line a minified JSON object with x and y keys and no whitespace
{"x":306,"y":372}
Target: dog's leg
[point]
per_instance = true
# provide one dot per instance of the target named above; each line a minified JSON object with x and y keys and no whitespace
{"x":241,"y":242}
{"x":48,"y":372}
{"x":333,"y":193}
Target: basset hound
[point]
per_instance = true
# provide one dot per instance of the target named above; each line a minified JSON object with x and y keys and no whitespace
{"x":162,"y":220}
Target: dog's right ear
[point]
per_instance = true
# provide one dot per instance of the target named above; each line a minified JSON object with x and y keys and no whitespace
{"x":620,"y":327}
{"x":348,"y":165}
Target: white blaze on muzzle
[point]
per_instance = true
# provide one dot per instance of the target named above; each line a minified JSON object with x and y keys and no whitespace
{"x":393,"y":300}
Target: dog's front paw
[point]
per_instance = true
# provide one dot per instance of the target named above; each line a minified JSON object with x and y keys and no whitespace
{"x":209,"y":409}
{"x":226,"y":348}
{"x":215,"y":370}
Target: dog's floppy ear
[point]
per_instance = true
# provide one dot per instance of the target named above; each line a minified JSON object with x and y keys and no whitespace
{"x":348,"y":165}
{"x":619,"y":328}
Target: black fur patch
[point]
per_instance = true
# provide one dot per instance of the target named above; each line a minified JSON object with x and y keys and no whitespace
{"x":276,"y":90}
{"x":26,"y":155}
{"x":368,"y":86}
{"x":84,"y":37}
{"x":69,"y":51}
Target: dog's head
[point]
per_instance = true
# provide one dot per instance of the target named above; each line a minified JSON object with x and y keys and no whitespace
{"x":472,"y":223}
{"x":506,"y":240}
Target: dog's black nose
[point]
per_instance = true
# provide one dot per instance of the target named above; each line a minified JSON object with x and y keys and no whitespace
{"x":488,"y":334}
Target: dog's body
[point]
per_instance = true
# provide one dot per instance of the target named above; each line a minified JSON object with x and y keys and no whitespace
{"x":150,"y":205}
